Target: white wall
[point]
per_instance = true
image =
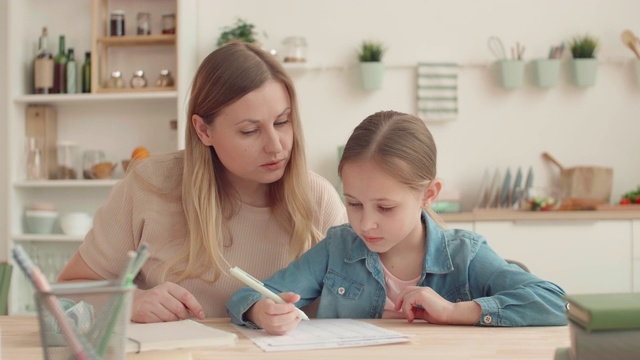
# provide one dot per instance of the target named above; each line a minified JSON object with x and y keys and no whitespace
{"x":3,"y":128}
{"x":495,"y":128}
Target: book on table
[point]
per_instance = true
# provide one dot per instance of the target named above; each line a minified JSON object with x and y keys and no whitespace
{"x":175,"y":335}
{"x":604,"y":344}
{"x":597,"y":312}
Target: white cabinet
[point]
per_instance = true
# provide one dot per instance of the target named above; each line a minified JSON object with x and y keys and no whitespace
{"x":636,"y":255}
{"x":581,"y":256}
{"x":115,"y":123}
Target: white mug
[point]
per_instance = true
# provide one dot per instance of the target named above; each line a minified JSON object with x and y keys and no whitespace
{"x":76,"y":223}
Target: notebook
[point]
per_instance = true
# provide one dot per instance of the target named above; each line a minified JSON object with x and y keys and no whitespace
{"x":174,"y":335}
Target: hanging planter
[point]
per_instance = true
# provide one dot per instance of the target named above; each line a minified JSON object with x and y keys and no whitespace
{"x":371,"y":66}
{"x":584,"y":66}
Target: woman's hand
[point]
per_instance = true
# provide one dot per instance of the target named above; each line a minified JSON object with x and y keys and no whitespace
{"x":275,"y":319}
{"x":424,"y":303}
{"x":165,"y":302}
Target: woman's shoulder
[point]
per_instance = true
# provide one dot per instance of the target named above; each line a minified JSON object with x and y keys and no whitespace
{"x":162,"y":171}
{"x":319,"y":183}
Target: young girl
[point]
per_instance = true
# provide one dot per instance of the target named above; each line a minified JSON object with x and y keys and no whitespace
{"x":393,"y":260}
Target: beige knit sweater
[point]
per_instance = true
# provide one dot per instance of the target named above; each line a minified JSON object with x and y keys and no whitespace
{"x":136,"y":212}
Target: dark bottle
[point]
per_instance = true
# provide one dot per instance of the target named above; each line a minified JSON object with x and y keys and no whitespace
{"x":86,"y":73}
{"x":43,"y":66}
{"x":72,"y":73}
{"x":60,"y":69}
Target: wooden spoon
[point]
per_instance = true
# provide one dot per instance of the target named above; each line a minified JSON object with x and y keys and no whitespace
{"x":630,"y":40}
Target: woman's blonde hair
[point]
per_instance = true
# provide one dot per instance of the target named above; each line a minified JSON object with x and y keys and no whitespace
{"x":209,"y":201}
{"x":400,"y":144}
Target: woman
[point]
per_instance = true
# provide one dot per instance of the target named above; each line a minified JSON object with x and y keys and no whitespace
{"x":239,"y":192}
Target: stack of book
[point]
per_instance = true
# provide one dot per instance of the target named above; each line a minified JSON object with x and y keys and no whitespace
{"x":603,"y":326}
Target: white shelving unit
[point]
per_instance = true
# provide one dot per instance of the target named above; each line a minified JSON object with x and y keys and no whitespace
{"x":114,"y":122}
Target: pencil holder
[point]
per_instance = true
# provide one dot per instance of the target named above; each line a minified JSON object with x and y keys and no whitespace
{"x":546,"y":72}
{"x":96,"y":312}
{"x":511,"y":73}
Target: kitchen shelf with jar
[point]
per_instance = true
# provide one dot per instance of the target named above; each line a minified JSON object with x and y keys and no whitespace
{"x":116,"y":48}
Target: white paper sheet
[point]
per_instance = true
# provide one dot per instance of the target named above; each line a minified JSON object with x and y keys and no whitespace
{"x":325,"y":334}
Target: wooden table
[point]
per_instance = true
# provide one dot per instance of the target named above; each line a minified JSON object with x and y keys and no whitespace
{"x":21,"y":340}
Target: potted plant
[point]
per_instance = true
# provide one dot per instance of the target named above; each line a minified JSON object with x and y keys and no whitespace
{"x":371,"y":66}
{"x":240,"y":30}
{"x":584,"y":66}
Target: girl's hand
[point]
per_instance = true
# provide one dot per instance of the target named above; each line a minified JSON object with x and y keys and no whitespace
{"x":275,"y":319}
{"x":424,"y":303}
{"x":165,"y":302}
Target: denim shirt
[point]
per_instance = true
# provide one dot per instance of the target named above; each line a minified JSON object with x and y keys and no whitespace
{"x":459,"y":265}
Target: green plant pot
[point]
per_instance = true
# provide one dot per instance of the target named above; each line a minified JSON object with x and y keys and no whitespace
{"x":584,"y":72}
{"x":372,"y":75}
{"x":511,"y":73}
{"x":546,"y":72}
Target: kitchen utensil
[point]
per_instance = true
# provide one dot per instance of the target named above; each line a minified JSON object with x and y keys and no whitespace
{"x":529,"y":182}
{"x":493,"y":199}
{"x":504,"y":195}
{"x":496,"y":47}
{"x":630,"y":40}
{"x":584,"y":182}
{"x":480,"y":201}
{"x":516,"y":186}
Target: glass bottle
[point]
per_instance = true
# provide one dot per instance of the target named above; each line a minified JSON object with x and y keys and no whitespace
{"x":43,"y":66}
{"x":60,"y":69}
{"x":296,"y":49}
{"x":86,"y":73}
{"x":68,"y":160}
{"x":72,"y":73}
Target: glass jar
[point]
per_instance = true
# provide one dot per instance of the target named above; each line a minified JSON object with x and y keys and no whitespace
{"x":169,"y":23}
{"x":68,"y":160}
{"x":295,"y":49}
{"x":35,"y":158}
{"x":165,"y":79}
{"x":116,"y":23}
{"x":115,"y":81}
{"x":143,"y":23}
{"x":89,"y":160}
{"x":138,"y":80}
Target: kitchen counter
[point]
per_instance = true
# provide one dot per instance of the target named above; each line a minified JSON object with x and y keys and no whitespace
{"x":518,"y":215}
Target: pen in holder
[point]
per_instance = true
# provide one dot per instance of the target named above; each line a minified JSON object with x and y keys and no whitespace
{"x":97,"y":311}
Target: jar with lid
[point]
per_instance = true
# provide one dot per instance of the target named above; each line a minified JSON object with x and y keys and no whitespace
{"x":169,"y":23}
{"x":68,"y":160}
{"x":295,"y":49}
{"x":143,"y":23}
{"x":116,"y":23}
{"x":165,"y":79}
{"x":115,"y":81}
{"x":138,"y":80}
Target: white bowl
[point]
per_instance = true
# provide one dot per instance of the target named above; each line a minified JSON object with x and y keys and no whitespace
{"x":40,"y":221}
{"x":76,"y":223}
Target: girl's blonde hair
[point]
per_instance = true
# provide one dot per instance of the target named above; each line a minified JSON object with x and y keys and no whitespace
{"x":400,"y":144}
{"x":209,"y":201}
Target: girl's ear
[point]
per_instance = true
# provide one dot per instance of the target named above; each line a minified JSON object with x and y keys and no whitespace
{"x":431,"y":192}
{"x":202,"y":129}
